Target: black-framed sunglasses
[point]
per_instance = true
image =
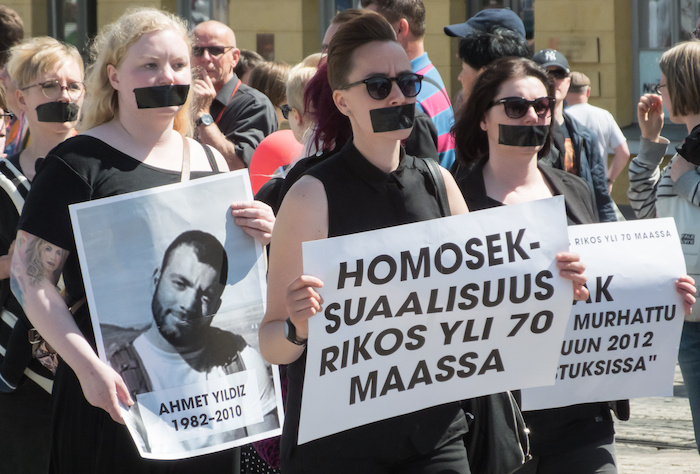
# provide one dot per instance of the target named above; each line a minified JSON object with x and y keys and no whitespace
{"x":696,"y":33}
{"x":52,"y":89}
{"x":657,"y":88}
{"x":517,"y":107}
{"x":215,"y":51}
{"x":379,"y":87}
{"x":558,"y":74}
{"x":7,"y":118}
{"x":286,"y":110}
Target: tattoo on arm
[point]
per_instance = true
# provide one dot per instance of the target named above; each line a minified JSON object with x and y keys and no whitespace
{"x":36,"y":263}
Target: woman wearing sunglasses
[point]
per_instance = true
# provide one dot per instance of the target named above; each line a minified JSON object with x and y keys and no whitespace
{"x":500,"y":133}
{"x":49,"y":79}
{"x":349,"y":192}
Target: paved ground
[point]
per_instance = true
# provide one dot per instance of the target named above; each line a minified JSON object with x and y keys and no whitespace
{"x":658,"y":438}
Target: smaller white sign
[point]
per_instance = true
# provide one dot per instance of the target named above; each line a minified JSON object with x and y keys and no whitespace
{"x":623,"y":342}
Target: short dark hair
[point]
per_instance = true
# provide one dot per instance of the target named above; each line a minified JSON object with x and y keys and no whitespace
{"x":471,"y":142}
{"x":247,"y":61}
{"x":351,"y":36}
{"x":11,"y":31}
{"x":481,"y":49}
{"x":394,"y":10}
{"x":206,"y":247}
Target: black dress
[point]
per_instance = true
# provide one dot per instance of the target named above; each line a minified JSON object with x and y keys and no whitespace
{"x":85,"y":439}
{"x":361,"y":197}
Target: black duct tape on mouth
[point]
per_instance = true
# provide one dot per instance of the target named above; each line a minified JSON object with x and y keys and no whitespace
{"x":522,"y":135}
{"x":57,"y":112}
{"x":161,"y":96}
{"x":388,"y":119}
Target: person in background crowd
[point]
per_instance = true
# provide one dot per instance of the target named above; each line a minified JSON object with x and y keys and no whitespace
{"x":270,"y":78}
{"x":48,"y":76}
{"x":247,"y":61}
{"x":601,"y":123}
{"x":490,"y":34}
{"x":335,"y":199}
{"x":11,"y":33}
{"x":515,"y":95}
{"x":300,"y":120}
{"x":675,"y":190}
{"x":407,"y":17}
{"x":575,"y":148}
{"x":6,"y":118}
{"x":123,"y":148}
{"x":229,"y":115}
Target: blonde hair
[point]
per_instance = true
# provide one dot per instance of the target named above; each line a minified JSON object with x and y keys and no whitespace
{"x":299,"y":77}
{"x":110,"y":47}
{"x":36,"y":56}
{"x":681,"y":66}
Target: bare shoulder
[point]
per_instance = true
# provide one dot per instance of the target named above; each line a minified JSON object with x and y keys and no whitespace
{"x":454,"y":195}
{"x":304,"y":209}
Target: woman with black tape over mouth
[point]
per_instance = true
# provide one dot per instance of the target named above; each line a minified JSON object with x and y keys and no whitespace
{"x":135,"y":135}
{"x":48,"y":76}
{"x":369,"y":184}
{"x":500,"y":133}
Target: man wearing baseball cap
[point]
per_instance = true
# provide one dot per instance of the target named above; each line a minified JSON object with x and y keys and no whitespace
{"x":600,"y":121}
{"x":575,"y":148}
{"x":485,"y":20}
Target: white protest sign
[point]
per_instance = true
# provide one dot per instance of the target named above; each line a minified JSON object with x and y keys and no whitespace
{"x":623,"y":343}
{"x":433,"y":312}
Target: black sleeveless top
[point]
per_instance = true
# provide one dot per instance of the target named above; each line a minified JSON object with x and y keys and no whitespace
{"x":361,"y":197}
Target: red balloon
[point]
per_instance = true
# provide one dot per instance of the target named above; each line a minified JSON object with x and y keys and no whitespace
{"x":277,"y":149}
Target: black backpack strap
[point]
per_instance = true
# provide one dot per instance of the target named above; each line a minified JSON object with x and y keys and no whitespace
{"x":439,"y":184}
{"x":210,"y":157}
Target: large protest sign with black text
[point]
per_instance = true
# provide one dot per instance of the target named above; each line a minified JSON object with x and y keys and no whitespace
{"x":623,"y":342}
{"x":433,"y":312}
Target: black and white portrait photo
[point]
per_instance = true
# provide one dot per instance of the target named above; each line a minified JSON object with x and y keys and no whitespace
{"x":178,"y":292}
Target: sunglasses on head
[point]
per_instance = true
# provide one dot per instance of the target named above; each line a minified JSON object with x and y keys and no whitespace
{"x":517,"y":107}
{"x":216,"y":51}
{"x":379,"y":87}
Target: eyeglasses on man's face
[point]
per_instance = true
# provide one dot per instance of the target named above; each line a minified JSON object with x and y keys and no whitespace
{"x":214,"y":51}
{"x":52,"y":89}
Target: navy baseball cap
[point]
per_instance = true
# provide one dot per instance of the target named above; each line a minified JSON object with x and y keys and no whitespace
{"x":551,"y":57}
{"x":485,"y":20}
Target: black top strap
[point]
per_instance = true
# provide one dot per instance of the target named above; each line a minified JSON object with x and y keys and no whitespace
{"x":440,"y":189}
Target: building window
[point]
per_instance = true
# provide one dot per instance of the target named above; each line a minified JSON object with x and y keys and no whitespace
{"x":197,"y":11}
{"x":73,"y":21}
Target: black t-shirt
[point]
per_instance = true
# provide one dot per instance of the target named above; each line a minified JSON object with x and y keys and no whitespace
{"x":82,"y":169}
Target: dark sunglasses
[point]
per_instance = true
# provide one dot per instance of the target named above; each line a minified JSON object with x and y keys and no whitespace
{"x":558,"y":74}
{"x":286,"y":110}
{"x":215,"y":51}
{"x":517,"y":107}
{"x":379,"y":87}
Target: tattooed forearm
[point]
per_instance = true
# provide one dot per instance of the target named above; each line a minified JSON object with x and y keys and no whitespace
{"x":36,"y":262}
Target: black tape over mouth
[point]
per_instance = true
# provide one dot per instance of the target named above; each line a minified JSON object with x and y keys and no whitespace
{"x":57,"y":112}
{"x":522,"y":135}
{"x":388,"y":119}
{"x":161,"y":96}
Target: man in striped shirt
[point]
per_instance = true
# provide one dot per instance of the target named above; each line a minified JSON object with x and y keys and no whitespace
{"x":408,"y":19}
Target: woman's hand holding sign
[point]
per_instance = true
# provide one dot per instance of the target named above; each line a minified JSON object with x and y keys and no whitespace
{"x":303,"y":302}
{"x":571,"y":268}
{"x":685,"y":286}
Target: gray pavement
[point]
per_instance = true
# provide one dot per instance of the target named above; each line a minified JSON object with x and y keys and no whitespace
{"x":658,"y":438}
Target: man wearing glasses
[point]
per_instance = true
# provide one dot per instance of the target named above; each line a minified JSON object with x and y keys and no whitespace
{"x":574,"y":147}
{"x":229,"y":115}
